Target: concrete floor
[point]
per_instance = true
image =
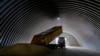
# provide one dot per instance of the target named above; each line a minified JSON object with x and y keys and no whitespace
{"x":36,"y":50}
{"x":73,"y":52}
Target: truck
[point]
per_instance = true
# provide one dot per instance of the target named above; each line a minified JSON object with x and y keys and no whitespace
{"x":61,"y":42}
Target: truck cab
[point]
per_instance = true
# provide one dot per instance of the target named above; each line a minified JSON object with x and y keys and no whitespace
{"x":61,"y":42}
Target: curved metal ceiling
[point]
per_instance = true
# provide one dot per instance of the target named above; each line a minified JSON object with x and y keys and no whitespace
{"x":16,"y":15}
{"x":89,"y":10}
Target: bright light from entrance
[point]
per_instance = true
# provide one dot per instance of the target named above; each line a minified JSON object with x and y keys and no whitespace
{"x":66,"y":43}
{"x":57,"y":40}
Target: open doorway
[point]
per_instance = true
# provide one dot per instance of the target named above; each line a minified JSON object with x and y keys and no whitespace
{"x":70,"y":40}
{"x":64,"y":40}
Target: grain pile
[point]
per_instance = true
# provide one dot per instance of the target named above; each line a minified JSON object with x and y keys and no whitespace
{"x":25,"y":50}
